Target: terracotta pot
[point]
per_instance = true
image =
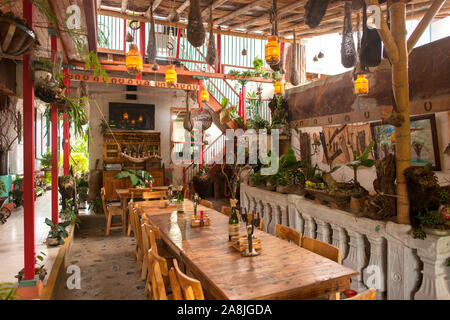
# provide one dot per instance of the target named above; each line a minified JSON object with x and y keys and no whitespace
{"x":356,"y":204}
{"x":437,"y":232}
{"x":52,"y":242}
{"x":225,"y":116}
{"x":15,"y":37}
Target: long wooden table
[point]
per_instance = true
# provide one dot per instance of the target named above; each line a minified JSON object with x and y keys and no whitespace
{"x":281,"y":271}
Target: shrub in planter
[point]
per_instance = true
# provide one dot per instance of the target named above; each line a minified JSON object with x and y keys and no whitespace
{"x":57,"y":232}
{"x":39,"y":267}
{"x":16,"y":37}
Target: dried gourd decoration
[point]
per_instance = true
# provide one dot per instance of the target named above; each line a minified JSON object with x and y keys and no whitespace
{"x":151,"y":50}
{"x":295,"y":76}
{"x":195,"y":31}
{"x":211,"y":55}
{"x":129,"y":37}
{"x":370,"y":54}
{"x":155,"y":67}
{"x":348,"y":52}
{"x":314,"y":12}
{"x":244,"y":52}
{"x":174,"y":16}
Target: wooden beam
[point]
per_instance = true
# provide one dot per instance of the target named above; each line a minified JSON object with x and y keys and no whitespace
{"x":124,"y":6}
{"x":99,"y":3}
{"x":58,"y":31}
{"x":183,"y":6}
{"x":216,"y":3}
{"x":239,"y":11}
{"x":423,"y":24}
{"x":90,"y":12}
{"x":156,"y":4}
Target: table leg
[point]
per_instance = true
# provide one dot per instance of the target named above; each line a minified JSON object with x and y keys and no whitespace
{"x":124,"y":215}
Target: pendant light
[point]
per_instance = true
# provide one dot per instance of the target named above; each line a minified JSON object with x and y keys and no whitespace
{"x":361,"y":85}
{"x":278,"y":87}
{"x":171,"y":76}
{"x":204,"y":95}
{"x":272,"y":50}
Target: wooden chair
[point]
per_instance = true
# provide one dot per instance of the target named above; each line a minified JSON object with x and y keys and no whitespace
{"x":184,"y":287}
{"x":155,"y":285}
{"x":206,"y":203}
{"x":137,"y":230}
{"x":325,"y":250}
{"x":289,"y":234}
{"x":227,"y":211}
{"x":154,"y":195}
{"x":261,"y":223}
{"x":186,"y":191}
{"x":369,"y":294}
{"x":110,"y":212}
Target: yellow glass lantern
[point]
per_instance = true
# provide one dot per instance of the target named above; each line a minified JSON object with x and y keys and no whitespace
{"x":125,"y":116}
{"x":204,"y":95}
{"x":361,"y":85}
{"x":272,"y":51}
{"x":140,"y":119}
{"x":171,"y":76}
{"x":278,"y":87}
{"x":133,"y":121}
{"x":133,"y":60}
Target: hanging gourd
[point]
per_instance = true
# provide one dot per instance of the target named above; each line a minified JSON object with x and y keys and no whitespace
{"x":151,"y":49}
{"x":370,"y":54}
{"x":361,"y":85}
{"x":348,"y":54}
{"x":314,"y":12}
{"x":295,"y":76}
{"x":278,"y":87}
{"x":211,"y":55}
{"x":133,"y":60}
{"x":171,"y":76}
{"x":195,"y":31}
{"x":187,"y":124}
{"x":204,"y":95}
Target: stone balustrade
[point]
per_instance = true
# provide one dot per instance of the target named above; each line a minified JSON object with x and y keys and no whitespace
{"x":385,"y":254}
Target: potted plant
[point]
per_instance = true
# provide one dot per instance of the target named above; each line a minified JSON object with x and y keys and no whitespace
{"x":444,"y":208}
{"x":356,"y":196}
{"x":69,"y":214}
{"x":57,"y":232}
{"x":82,"y":190}
{"x":39,"y":268}
{"x":290,"y":179}
{"x":225,"y":112}
{"x":138,"y":178}
{"x":46,"y":161}
{"x":16,"y":37}
{"x":96,"y":205}
{"x":432,"y":222}
{"x":48,"y":81}
{"x":279,"y":109}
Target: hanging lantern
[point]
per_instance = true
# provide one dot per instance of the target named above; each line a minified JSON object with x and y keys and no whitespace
{"x":278,"y":87}
{"x":204,"y":95}
{"x":272,"y":51}
{"x":125,"y":116}
{"x":133,"y":121}
{"x":171,"y":76}
{"x":361,"y":85}
{"x":133,"y":60}
{"x":140,"y":119}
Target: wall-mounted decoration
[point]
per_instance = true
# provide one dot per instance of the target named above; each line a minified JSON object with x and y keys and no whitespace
{"x":341,"y":141}
{"x":424,"y":142}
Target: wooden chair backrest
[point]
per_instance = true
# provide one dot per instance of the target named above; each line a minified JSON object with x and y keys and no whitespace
{"x":157,"y":269}
{"x":136,"y":224}
{"x":186,"y":191}
{"x":250,"y":218}
{"x":145,"y":228}
{"x":287,"y":233}
{"x":227,"y":211}
{"x":105,"y":208}
{"x":369,"y":294}
{"x":322,"y":248}
{"x":206,"y":203}
{"x":184,"y":287}
{"x":154,"y":195}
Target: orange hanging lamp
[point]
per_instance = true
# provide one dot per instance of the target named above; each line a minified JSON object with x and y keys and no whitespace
{"x":133,"y":60}
{"x":278,"y":87}
{"x":361,"y":85}
{"x":171,"y":76}
{"x":204,"y":95}
{"x":272,"y":51}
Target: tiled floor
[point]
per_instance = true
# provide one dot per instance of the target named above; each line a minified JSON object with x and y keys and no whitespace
{"x":11,"y":239}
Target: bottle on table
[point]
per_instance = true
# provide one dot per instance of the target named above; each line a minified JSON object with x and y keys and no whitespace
{"x":180,"y":200}
{"x":233,"y":224}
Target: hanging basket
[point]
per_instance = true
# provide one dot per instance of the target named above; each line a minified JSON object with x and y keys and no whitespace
{"x":203,"y":116}
{"x":16,"y":38}
{"x":225,"y":116}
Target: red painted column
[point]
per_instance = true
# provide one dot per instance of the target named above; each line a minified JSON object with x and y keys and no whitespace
{"x":244,"y":104}
{"x":219,"y":53}
{"x":28,"y":155}
{"x":55,"y":153}
{"x":66,"y":128}
{"x":141,"y":45}
{"x":178,"y":43}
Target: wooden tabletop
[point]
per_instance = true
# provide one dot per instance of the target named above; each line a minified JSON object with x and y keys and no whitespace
{"x":281,"y":271}
{"x":125,"y":193}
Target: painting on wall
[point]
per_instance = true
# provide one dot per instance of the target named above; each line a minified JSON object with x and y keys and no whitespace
{"x":424,"y":143}
{"x":342,"y":141}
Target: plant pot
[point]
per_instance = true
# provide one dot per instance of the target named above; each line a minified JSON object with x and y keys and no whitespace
{"x":437,"y":232}
{"x":15,"y":37}
{"x":356,"y":203}
{"x":41,"y":274}
{"x":53,"y":242}
{"x":225,"y":116}
{"x":293,"y":189}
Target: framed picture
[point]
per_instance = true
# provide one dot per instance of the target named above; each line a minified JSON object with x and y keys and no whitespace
{"x":424,"y":142}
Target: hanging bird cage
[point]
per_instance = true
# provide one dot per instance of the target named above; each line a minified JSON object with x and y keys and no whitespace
{"x":133,"y":60}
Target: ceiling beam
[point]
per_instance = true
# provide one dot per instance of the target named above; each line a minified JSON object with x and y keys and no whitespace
{"x":90,"y":12}
{"x":216,"y":3}
{"x":239,"y":11}
{"x":183,"y":6}
{"x":124,"y":6}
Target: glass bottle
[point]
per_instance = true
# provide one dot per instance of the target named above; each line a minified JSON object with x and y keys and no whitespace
{"x":180,"y":202}
{"x":233,"y":224}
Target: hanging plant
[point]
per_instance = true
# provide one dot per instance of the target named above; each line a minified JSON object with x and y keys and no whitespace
{"x":211,"y":56}
{"x":295,"y":77}
{"x":151,"y":50}
{"x":47,"y":80}
{"x":314,"y":12}
{"x":348,"y":53}
{"x":195,"y":31}
{"x":16,"y":38}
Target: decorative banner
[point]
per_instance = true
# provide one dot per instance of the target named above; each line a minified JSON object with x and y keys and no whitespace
{"x":133,"y":82}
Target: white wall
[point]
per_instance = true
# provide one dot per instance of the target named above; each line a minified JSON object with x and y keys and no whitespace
{"x":366,"y":176}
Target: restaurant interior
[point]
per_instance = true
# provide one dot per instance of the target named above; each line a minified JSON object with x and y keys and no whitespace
{"x":225,"y":150}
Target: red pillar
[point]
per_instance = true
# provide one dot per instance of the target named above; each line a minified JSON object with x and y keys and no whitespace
{"x":141,"y":45}
{"x":66,"y":134}
{"x":55,"y":153}
{"x":178,"y":43}
{"x":244,"y":104}
{"x":28,"y":155}
{"x":219,"y":53}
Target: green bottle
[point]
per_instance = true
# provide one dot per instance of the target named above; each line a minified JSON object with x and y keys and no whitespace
{"x":180,"y":202}
{"x":233,"y":224}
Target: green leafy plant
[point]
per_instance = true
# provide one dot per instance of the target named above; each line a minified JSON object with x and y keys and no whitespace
{"x":7,"y":291}
{"x":96,"y":205}
{"x":69,"y":214}
{"x":46,"y":160}
{"x":2,"y":186}
{"x":39,"y":267}
{"x":259,"y":123}
{"x":138,"y":178}
{"x":58,"y":231}
{"x":361,"y":161}
{"x":443,"y":196}
{"x":225,"y":103}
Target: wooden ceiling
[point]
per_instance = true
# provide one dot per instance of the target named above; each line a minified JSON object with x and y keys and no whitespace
{"x":252,"y":17}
